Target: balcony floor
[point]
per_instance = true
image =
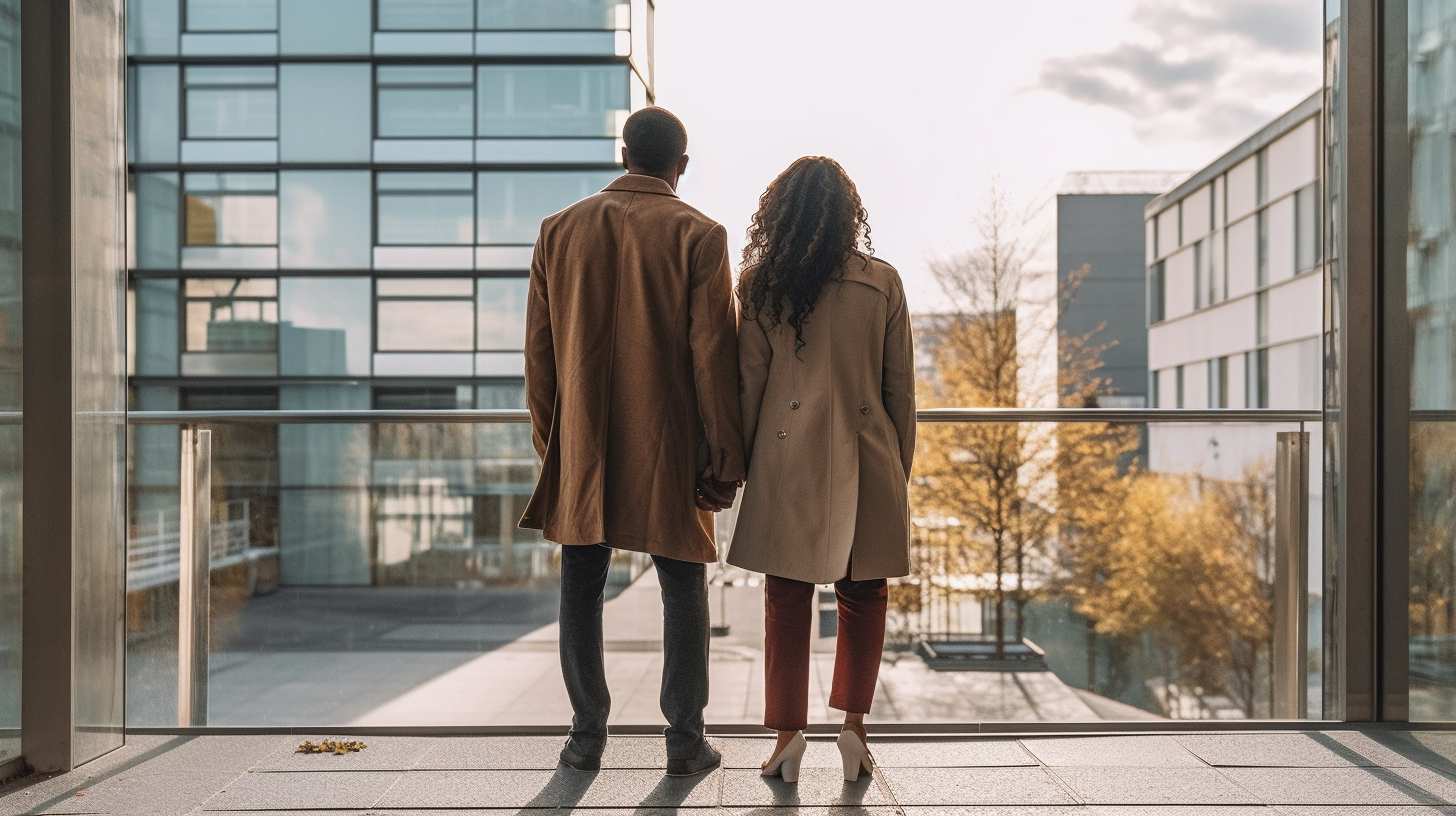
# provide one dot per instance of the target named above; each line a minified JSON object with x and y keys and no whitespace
{"x":1329,"y":772}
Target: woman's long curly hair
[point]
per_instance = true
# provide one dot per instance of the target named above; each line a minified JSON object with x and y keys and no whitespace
{"x":809,"y":224}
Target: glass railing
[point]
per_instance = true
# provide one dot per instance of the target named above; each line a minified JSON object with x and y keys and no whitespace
{"x":363,"y":568}
{"x":1433,"y":565}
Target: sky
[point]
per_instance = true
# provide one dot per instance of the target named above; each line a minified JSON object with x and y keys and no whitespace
{"x":926,"y":103}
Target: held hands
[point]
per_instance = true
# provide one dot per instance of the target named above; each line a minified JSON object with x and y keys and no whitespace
{"x":713,"y":495}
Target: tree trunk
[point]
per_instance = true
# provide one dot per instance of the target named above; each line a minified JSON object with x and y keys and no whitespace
{"x":1000,"y":600}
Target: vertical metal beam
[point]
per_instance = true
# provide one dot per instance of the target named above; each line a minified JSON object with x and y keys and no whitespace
{"x":194,"y":576}
{"x":1291,"y":576}
{"x":1373,"y":363}
{"x":47,"y":655}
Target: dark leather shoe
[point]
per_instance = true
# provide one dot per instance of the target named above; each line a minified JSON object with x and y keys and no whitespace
{"x":578,"y":762}
{"x":707,"y":759}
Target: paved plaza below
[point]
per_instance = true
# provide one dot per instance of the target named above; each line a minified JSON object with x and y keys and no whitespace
{"x":1227,"y":774}
{"x":381,"y":658}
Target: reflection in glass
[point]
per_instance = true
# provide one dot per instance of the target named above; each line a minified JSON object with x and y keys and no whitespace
{"x":324,"y":219}
{"x":425,"y":314}
{"x":151,"y":27}
{"x":551,"y":100}
{"x":426,"y":208}
{"x":156,"y":224}
{"x":154,"y":110}
{"x":511,"y":205}
{"x":425,"y":101}
{"x":325,"y":27}
{"x":501,"y":312}
{"x":232,"y":15}
{"x":231,"y":315}
{"x":231,"y":209}
{"x":559,"y":15}
{"x":156,"y":325}
{"x":231,"y":102}
{"x":426,"y":15}
{"x":426,"y":325}
{"x":1431,"y":301}
{"x":324,"y":326}
{"x":325,"y":113}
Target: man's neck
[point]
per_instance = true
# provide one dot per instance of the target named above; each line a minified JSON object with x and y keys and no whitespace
{"x":669,"y":177}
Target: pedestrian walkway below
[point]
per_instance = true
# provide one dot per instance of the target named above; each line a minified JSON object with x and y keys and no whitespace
{"x":1227,"y":774}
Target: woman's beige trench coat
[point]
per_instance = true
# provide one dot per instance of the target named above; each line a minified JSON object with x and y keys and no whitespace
{"x":830,"y":434}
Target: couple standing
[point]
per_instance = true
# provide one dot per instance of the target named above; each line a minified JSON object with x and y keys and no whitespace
{"x":652,"y":399}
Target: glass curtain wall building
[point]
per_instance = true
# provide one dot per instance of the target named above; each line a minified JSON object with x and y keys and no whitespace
{"x":333,"y":206}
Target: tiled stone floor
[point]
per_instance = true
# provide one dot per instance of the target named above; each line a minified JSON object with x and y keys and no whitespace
{"x":1228,"y":774}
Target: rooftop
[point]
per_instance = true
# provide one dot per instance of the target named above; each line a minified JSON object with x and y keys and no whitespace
{"x":1120,"y":182}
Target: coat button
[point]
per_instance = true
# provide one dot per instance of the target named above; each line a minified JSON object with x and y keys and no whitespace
{"x":794,"y":405}
{"x":864,"y":409}
{"x":783,"y":434}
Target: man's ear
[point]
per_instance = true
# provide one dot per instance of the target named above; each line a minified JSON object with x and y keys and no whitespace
{"x":682,"y":164}
{"x":625,"y":164}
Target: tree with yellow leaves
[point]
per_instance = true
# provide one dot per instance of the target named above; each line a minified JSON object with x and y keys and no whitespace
{"x":994,"y":491}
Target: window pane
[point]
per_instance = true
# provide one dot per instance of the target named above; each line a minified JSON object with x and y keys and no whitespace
{"x":156,"y":111}
{"x":324,"y":326}
{"x":425,"y":182}
{"x":239,"y":316}
{"x":426,"y":325}
{"x":418,"y":218}
{"x":232,"y":15}
{"x":325,"y":113}
{"x":325,"y":27}
{"x":232,"y":287}
{"x":551,"y":100}
{"x":233,"y":113}
{"x":511,"y":205}
{"x":501,"y":312}
{"x":426,"y":287}
{"x":157,"y":220}
{"x":325,"y":219}
{"x":232,"y":220}
{"x":550,"y":14}
{"x":231,"y":182}
{"x":210,"y":75}
{"x":156,"y":325}
{"x":426,"y":112}
{"x":426,"y":15}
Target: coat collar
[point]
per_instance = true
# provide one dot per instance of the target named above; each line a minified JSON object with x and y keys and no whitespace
{"x":637,"y":183}
{"x":863,"y":269}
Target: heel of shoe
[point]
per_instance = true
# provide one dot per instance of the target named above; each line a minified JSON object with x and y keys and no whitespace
{"x":786,"y":764}
{"x":855,"y":755}
{"x":789,"y":770}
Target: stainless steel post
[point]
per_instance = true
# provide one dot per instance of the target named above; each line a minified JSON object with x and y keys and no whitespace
{"x":1291,"y":576}
{"x":194,"y":575}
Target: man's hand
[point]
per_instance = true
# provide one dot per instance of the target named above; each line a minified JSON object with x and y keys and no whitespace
{"x":713,"y":495}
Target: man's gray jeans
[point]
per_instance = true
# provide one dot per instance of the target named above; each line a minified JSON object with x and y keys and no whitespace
{"x":684,"y":647}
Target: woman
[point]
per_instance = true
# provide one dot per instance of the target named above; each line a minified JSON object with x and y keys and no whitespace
{"x":828,"y":393}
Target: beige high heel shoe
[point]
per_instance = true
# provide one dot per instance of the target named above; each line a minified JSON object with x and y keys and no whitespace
{"x":855,"y":754}
{"x":786,"y":764}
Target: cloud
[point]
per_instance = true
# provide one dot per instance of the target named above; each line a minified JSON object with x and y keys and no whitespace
{"x":1214,"y":69}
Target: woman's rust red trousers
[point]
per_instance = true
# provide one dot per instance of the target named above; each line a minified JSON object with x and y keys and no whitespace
{"x":788,"y":614}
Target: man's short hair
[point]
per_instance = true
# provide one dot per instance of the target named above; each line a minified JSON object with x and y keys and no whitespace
{"x":655,"y":139}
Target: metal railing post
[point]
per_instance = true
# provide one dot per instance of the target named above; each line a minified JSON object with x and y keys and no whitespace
{"x":1291,"y":576}
{"x":194,"y":575}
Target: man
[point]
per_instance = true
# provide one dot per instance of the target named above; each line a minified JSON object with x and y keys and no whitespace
{"x":632,"y":382}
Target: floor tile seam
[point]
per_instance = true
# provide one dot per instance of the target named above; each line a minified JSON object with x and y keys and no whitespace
{"x":373,"y":804}
{"x":1065,"y":786}
{"x":1256,"y":797}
